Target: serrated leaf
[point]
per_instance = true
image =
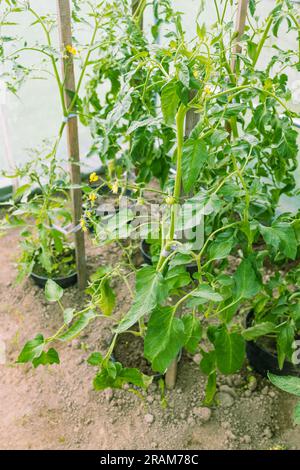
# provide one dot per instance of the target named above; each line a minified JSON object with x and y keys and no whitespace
{"x":164,"y":338}
{"x":75,"y":329}
{"x":193,"y":159}
{"x":150,"y":290}
{"x":46,"y":358}
{"x":258,"y":330}
{"x":32,"y":349}
{"x":281,"y":235}
{"x":286,"y":383}
{"x":230,"y":351}
{"x":53,"y":292}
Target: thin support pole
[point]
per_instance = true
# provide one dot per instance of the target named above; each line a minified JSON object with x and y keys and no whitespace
{"x":68,"y":76}
{"x":8,"y":153}
{"x":240,"y":28}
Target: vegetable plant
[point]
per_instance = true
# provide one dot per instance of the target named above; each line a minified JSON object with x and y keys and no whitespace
{"x":290,"y":385}
{"x":231,"y":171}
{"x":40,"y":208}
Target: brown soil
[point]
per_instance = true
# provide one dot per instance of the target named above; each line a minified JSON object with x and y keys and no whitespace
{"x":129,"y":350}
{"x":56,"y":407}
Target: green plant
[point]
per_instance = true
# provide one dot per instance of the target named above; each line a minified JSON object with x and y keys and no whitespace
{"x":231,"y":171}
{"x":40,"y":209}
{"x":290,"y":385}
{"x":126,"y":133}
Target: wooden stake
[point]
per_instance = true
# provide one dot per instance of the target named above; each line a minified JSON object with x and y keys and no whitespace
{"x":171,"y":375}
{"x":240,"y":28}
{"x":8,"y":153}
{"x":65,"y":33}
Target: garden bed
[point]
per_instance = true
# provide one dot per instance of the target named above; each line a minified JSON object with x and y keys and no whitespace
{"x":57,"y":408}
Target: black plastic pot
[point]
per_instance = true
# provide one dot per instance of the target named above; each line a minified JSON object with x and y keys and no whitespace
{"x":263,"y":361}
{"x":144,"y":247}
{"x":64,"y":282}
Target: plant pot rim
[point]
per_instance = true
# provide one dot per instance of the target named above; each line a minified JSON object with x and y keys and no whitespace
{"x":62,"y":281}
{"x":61,"y":278}
{"x":253,"y":348}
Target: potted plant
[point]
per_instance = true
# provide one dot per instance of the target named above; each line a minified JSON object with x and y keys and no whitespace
{"x":230,"y":172}
{"x":40,"y":208}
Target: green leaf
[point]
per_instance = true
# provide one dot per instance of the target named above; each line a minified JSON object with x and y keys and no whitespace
{"x":218,"y":137}
{"x":150,"y":290}
{"x":104,"y":379}
{"x":252,"y":48}
{"x":297,"y":414}
{"x":193,"y":158}
{"x":32,"y":349}
{"x":211,"y":388}
{"x":247,"y":284}
{"x":220,"y":249}
{"x":177,"y":277}
{"x":281,"y":235}
{"x":107,"y":299}
{"x":285,"y":339}
{"x":46,"y":358}
{"x":164,"y":338}
{"x":286,"y":383}
{"x":169,"y":102}
{"x":184,"y":74}
{"x":230,"y":351}
{"x":205,"y":291}
{"x":192,"y":332}
{"x":208,"y":362}
{"x":74,"y":330}
{"x":68,"y":315}
{"x":258,"y":330}
{"x":53,"y":292}
{"x":95,"y":359}
{"x":252,"y":6}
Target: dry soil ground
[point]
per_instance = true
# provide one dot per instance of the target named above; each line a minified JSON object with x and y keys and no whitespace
{"x":56,"y":407}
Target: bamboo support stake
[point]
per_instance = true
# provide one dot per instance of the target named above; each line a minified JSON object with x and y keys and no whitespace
{"x":65,"y":33}
{"x":171,"y":374}
{"x":8,"y":153}
{"x":240,"y":28}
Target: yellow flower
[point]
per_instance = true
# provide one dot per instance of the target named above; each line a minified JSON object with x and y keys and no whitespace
{"x":207,"y":90}
{"x":115,"y":187}
{"x":83,"y":225}
{"x":71,"y":50}
{"x":170,"y":200}
{"x":88,"y":214}
{"x":92,"y":197}
{"x":93,"y":177}
{"x":196,"y":73}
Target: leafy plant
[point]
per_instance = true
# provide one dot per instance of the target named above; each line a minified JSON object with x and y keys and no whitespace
{"x":231,"y":171}
{"x":290,"y":385}
{"x":40,"y":209}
